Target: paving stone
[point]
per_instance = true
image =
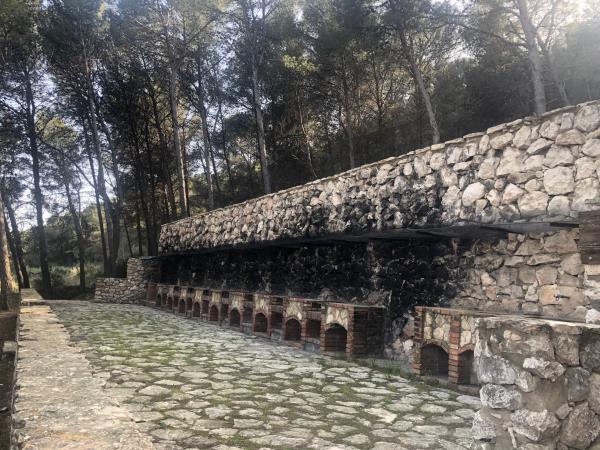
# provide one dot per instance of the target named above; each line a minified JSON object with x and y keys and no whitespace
{"x":433,"y":409}
{"x":357,"y":439}
{"x":212,"y":387}
{"x":388,"y":446}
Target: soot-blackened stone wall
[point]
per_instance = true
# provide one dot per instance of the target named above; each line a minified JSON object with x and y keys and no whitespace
{"x":396,"y":274}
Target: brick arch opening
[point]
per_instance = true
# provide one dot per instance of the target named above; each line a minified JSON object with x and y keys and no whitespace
{"x":466,"y":369}
{"x":213,"y":314}
{"x":293,"y":330}
{"x":181,"y":307}
{"x":188,"y":304}
{"x":205,"y":304}
{"x":159,"y":301}
{"x":434,"y":360}
{"x":336,"y":338}
{"x":169,"y":303}
{"x":260,"y":323}
{"x":196,"y":310}
{"x":234,"y":318}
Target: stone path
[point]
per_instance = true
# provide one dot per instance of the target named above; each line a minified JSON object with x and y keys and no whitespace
{"x":195,"y":385}
{"x":59,"y":404}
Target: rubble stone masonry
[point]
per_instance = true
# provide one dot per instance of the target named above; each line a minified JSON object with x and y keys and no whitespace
{"x":131,"y":289}
{"x":534,"y":169}
{"x":540,"y":384}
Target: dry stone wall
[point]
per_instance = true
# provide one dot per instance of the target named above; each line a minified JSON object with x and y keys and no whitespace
{"x":131,"y":289}
{"x":540,"y":384}
{"x":534,"y":169}
{"x":534,"y":274}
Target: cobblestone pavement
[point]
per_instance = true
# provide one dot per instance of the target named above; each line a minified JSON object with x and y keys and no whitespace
{"x":195,"y":385}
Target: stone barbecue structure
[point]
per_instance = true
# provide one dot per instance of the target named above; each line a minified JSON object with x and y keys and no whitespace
{"x":309,"y":324}
{"x":445,"y":343}
{"x":427,"y":254}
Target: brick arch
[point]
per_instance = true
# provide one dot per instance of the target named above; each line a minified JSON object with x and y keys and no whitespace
{"x":466,"y":366}
{"x":292,"y":330}
{"x":261,"y":323}
{"x":213,"y":313}
{"x":189,"y":303}
{"x":437,"y":342}
{"x":335,"y":338}
{"x":466,"y":348}
{"x":181,"y":306}
{"x":434,"y":359}
{"x":196,"y":309}
{"x":235,"y":318}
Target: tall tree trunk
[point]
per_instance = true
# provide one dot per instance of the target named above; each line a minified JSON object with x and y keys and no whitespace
{"x":7,"y":282}
{"x":260,"y":130}
{"x":18,"y":242}
{"x":151,"y":231}
{"x":129,"y":247}
{"x":420,"y":86}
{"x":37,"y":189}
{"x":186,"y":174}
{"x":138,"y":227}
{"x":348,"y":120}
{"x":78,"y":232}
{"x":309,"y":155}
{"x":98,"y":209}
{"x":107,"y":204}
{"x":206,"y":147}
{"x":560,"y":86}
{"x":535,"y":60}
{"x":117,"y":206}
{"x":140,"y":182}
{"x":13,"y":252}
{"x":177,"y":143}
{"x":224,"y":144}
{"x":172,"y":204}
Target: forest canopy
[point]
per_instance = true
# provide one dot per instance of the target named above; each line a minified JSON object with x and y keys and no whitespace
{"x":117,"y":116}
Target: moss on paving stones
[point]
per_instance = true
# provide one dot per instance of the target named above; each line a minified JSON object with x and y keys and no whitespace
{"x":202,"y":380}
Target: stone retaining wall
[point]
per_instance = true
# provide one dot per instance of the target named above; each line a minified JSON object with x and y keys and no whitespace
{"x":540,"y":384}
{"x":535,"y":169}
{"x":131,"y":289}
